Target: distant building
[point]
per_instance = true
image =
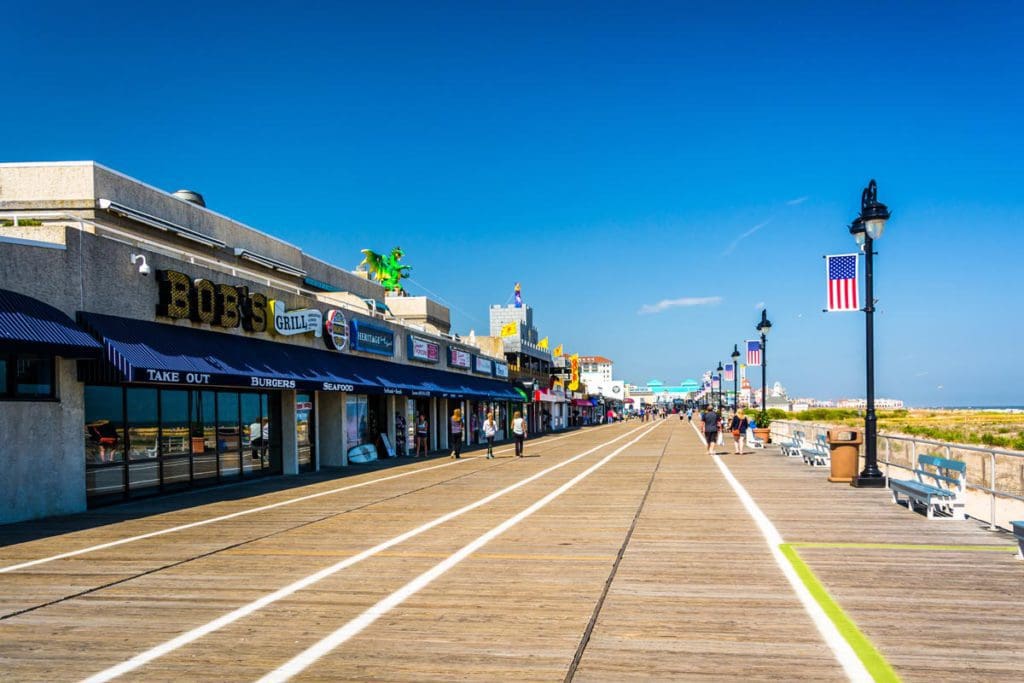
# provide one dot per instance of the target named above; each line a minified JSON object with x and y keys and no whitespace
{"x":862,"y":404}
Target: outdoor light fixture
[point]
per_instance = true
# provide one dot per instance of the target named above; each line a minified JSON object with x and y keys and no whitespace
{"x":268,"y":262}
{"x":866,"y":228}
{"x":159,"y":223}
{"x":143,"y":267}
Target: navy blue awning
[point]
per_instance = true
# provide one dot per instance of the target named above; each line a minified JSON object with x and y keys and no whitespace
{"x":144,"y":351}
{"x":150,"y":352}
{"x":27,"y":324}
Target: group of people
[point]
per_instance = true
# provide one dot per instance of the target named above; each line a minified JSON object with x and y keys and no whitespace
{"x":457,"y":429}
{"x":713,"y":424}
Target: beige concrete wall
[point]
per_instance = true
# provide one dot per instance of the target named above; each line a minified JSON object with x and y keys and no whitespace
{"x":65,"y":185}
{"x":42,"y":454}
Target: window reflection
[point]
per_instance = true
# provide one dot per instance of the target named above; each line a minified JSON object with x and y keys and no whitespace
{"x":141,"y":420}
{"x":356,"y":429}
{"x":303,"y":427}
{"x":228,"y":435}
{"x":253,"y":439}
{"x":204,"y":434}
{"x":104,"y":425}
{"x":174,"y":435}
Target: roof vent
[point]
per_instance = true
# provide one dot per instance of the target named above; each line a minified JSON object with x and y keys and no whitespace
{"x":191,"y":196}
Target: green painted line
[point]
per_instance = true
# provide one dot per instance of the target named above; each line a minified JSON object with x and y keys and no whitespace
{"x":869,"y":656}
{"x":909,"y":546}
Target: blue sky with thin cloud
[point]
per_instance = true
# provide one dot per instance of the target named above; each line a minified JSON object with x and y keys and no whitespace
{"x":615,"y":158}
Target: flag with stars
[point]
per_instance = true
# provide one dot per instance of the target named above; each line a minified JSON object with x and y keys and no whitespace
{"x":842,"y":282}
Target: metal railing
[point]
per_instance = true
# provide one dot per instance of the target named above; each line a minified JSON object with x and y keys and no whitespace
{"x":988,"y":460}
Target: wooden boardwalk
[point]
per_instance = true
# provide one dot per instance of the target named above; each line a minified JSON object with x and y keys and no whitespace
{"x":610,"y":554}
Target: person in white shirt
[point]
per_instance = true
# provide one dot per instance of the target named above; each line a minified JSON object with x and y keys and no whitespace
{"x":490,"y":429}
{"x":519,"y":432}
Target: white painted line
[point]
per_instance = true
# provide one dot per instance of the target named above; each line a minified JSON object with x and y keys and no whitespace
{"x":241,"y":513}
{"x":847,"y":658}
{"x":307,"y":657}
{"x":245,"y":610}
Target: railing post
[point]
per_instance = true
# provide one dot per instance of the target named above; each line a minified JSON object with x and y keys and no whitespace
{"x":992,"y":492}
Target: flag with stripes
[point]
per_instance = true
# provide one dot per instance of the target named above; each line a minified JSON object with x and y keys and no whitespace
{"x":842,"y":282}
{"x":753,"y":352}
{"x":716,"y":382}
{"x":729,"y":372}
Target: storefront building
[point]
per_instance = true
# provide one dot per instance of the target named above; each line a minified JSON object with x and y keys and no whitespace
{"x":149,"y":344}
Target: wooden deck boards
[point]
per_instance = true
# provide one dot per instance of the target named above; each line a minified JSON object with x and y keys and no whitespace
{"x":697,"y":594}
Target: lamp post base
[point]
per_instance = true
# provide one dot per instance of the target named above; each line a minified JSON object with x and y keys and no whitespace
{"x":863,"y":482}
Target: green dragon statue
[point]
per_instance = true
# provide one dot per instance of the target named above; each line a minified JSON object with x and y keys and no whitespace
{"x":387,"y":270}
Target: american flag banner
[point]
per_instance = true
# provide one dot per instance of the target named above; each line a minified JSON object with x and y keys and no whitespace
{"x":729,"y":372}
{"x":753,"y":352}
{"x":842,"y":270}
{"x":716,"y":382}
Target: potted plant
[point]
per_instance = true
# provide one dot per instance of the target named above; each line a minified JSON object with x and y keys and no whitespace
{"x":762,"y":431}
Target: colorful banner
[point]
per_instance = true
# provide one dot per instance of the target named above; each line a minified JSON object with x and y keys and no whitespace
{"x":424,"y":350}
{"x":558,"y":351}
{"x":510,"y":329}
{"x":574,"y":372}
{"x":543,"y":343}
{"x":457,"y":358}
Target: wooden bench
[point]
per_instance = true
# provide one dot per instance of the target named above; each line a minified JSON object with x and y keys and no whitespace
{"x":937,"y":488}
{"x":1018,"y":531}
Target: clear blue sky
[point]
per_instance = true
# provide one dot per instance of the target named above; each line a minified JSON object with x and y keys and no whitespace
{"x":607,"y":156}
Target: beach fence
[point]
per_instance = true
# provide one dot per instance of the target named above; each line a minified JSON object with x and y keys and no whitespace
{"x":995,"y":476}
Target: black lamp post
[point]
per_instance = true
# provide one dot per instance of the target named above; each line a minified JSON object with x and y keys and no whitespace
{"x":867,"y":228}
{"x":735,"y":377}
{"x":764,"y":327}
{"x":720,"y":386}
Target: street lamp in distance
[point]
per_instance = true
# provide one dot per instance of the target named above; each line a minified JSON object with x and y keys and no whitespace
{"x":735,"y":377}
{"x":764,"y":327}
{"x":866,"y":228}
{"x":720,"y":387}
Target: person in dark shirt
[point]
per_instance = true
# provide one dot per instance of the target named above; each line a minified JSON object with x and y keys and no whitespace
{"x":710,"y":419}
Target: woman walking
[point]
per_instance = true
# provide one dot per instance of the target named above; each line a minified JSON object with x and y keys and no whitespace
{"x":422,"y":431}
{"x":456,"y":432}
{"x":519,"y":432}
{"x":738,"y":427}
{"x":490,"y":429}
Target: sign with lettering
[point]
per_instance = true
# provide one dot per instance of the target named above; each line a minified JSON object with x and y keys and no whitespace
{"x":501,"y":370}
{"x":372,"y":339}
{"x":457,"y":358}
{"x":335,"y":330}
{"x":295,"y":322}
{"x":482,"y":365}
{"x":203,"y":301}
{"x":423,"y":349}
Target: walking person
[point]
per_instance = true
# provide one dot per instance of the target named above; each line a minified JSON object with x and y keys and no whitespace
{"x":422,"y":432}
{"x":711,"y":420}
{"x":519,"y":432}
{"x":689,"y":414}
{"x":490,"y":429}
{"x":456,"y":432}
{"x":738,"y":427}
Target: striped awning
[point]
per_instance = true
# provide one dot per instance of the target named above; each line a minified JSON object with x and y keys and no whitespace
{"x":29,"y":325}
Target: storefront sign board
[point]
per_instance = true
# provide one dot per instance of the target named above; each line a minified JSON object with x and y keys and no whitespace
{"x":372,"y":339}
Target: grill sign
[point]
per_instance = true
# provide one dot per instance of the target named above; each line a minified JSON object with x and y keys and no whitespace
{"x":296,"y":322}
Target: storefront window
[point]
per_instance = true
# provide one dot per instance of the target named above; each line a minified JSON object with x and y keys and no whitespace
{"x":26,"y":376}
{"x":104,"y":425}
{"x":174,"y":435}
{"x":204,"y":435}
{"x":356,"y":428}
{"x":141,"y":420}
{"x":252,"y":433}
{"x":228,"y":436}
{"x":303,"y":430}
